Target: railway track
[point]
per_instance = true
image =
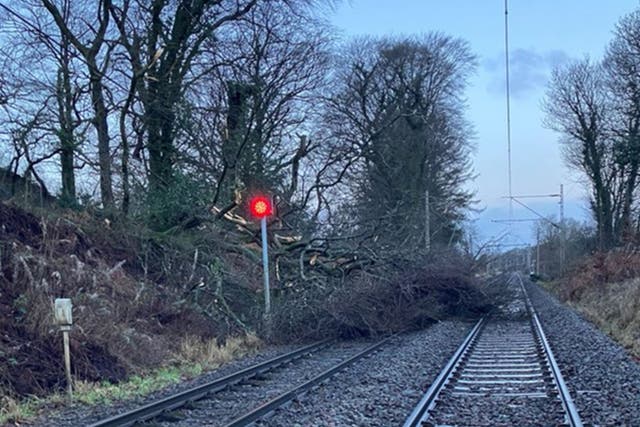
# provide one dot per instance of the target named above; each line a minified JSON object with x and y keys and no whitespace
{"x":504,"y":373}
{"x":161,"y":411}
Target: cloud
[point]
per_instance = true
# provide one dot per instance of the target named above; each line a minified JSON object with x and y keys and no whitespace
{"x":529,"y":70}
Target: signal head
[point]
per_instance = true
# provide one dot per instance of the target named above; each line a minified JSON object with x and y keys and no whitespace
{"x":261,"y":207}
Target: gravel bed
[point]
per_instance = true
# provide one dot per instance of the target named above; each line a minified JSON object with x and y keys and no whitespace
{"x":603,"y":378}
{"x":225,"y":406}
{"x":507,"y":398}
{"x":380,"y":390}
{"x":82,"y":415}
{"x":502,"y":412}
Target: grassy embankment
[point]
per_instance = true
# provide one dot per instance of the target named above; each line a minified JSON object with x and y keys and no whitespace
{"x":140,"y":321}
{"x":605,"y":288}
{"x":194,"y":358}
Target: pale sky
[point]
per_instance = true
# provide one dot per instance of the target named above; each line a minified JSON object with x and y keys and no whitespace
{"x":542,"y":33}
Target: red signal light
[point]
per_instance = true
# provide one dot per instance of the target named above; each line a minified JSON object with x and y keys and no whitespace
{"x":261,"y":207}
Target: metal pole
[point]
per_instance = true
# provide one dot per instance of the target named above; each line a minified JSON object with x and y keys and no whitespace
{"x":427,"y":225}
{"x":538,"y":250}
{"x":561,"y":204}
{"x":563,"y":237}
{"x":265,"y":267}
{"x":508,"y":90}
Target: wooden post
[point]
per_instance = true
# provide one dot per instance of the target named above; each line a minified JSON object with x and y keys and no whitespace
{"x":63,"y":314}
{"x":67,"y":360}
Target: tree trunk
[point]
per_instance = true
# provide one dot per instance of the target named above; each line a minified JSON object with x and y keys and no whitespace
{"x":124,"y":145}
{"x":160,"y":122}
{"x":102,"y":130}
{"x":68,"y":173}
{"x":626,"y":226}
{"x":65,"y":133}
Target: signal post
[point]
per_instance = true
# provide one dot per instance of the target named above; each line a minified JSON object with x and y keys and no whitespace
{"x":261,"y":207}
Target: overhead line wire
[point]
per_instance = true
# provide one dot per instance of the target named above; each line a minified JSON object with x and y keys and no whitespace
{"x":508,"y":94}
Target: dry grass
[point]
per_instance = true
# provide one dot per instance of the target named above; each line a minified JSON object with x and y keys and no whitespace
{"x":15,"y":411}
{"x":615,"y":308}
{"x":600,"y":268}
{"x":210,"y":355}
{"x":605,"y":287}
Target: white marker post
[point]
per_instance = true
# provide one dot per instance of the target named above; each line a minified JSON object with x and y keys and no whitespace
{"x":64,"y":318}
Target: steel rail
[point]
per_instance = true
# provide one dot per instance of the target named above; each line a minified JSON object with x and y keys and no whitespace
{"x":428,"y":400}
{"x":288,"y":396}
{"x":180,"y":399}
{"x":567,"y":402}
{"x":565,"y":395}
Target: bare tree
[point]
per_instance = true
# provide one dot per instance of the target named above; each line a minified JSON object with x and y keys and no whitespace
{"x":91,"y":52}
{"x":577,"y":240}
{"x":578,"y":107}
{"x":250,"y":132}
{"x":45,"y":96}
{"x":622,"y":66}
{"x":164,"y":45}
